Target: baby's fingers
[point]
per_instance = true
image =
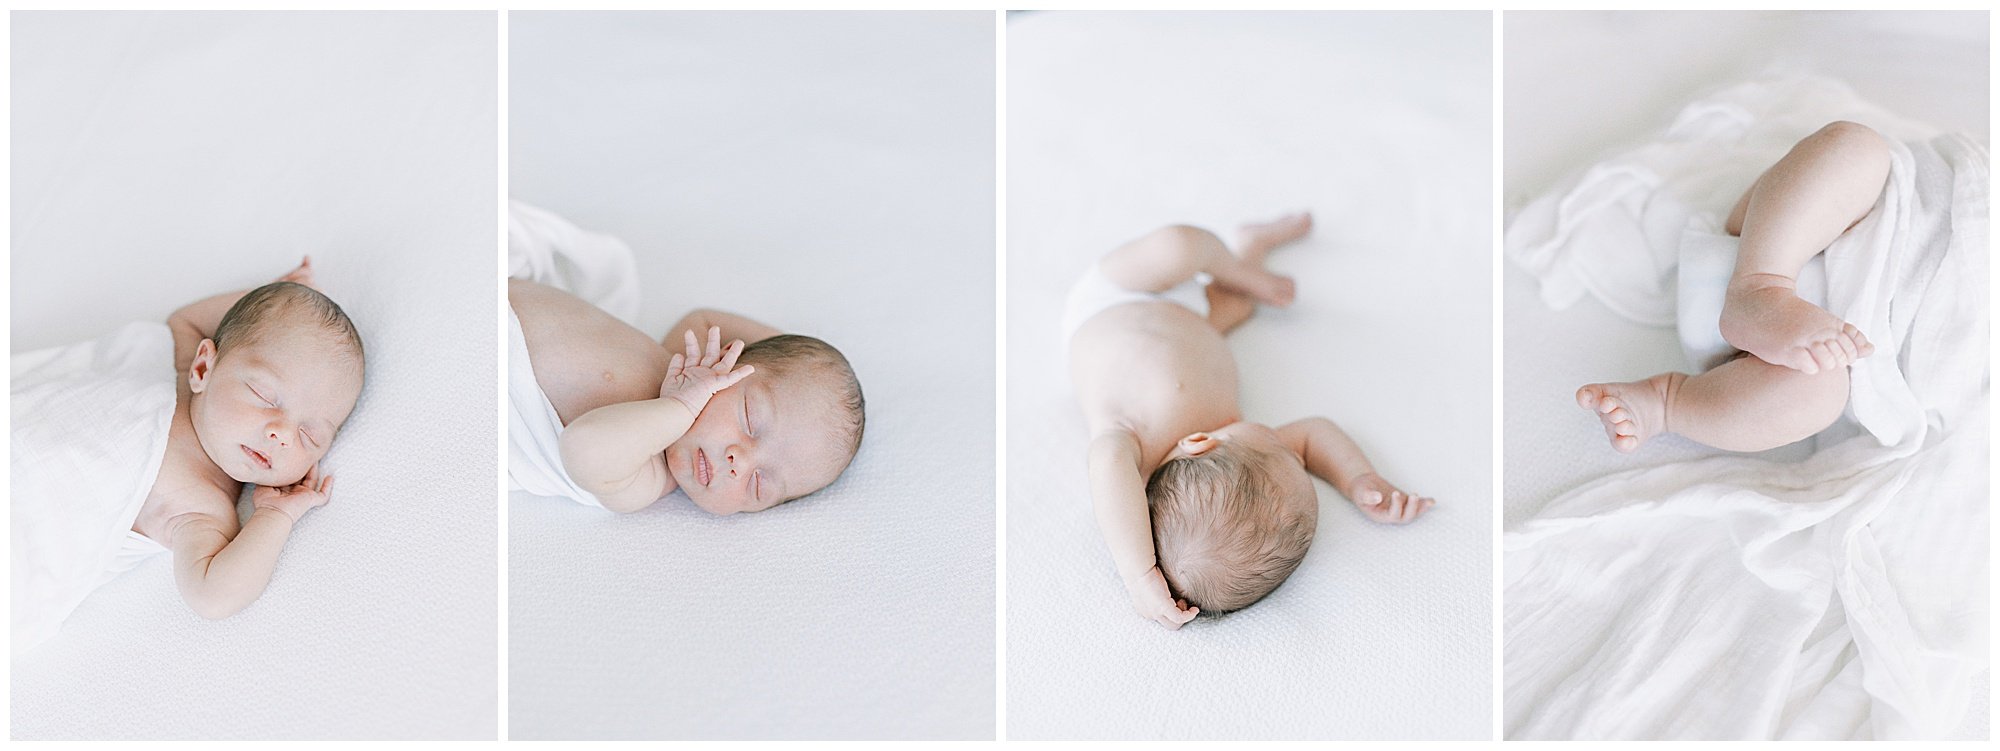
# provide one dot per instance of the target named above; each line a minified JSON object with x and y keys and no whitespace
{"x":714,"y":352}
{"x":676,"y":365}
{"x":1417,"y":508}
{"x":693,"y":347}
{"x":326,"y":489}
{"x":730,"y":378}
{"x":729,"y":355}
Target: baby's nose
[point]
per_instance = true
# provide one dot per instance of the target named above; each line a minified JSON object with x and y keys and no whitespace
{"x":276,"y":434}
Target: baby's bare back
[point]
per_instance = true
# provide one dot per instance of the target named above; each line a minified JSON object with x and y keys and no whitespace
{"x":1155,"y":369}
{"x":583,"y":357}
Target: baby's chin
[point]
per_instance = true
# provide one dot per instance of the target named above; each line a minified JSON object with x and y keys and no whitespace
{"x":253,"y":475}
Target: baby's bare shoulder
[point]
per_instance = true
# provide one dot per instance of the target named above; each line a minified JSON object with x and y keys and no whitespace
{"x":188,"y":483}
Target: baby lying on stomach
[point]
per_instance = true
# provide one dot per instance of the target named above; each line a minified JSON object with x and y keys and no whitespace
{"x":1202,"y":510}
{"x":744,"y":427}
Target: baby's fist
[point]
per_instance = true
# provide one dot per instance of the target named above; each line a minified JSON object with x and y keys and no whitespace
{"x":1156,"y":603}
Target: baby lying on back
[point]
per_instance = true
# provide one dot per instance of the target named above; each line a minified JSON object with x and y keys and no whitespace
{"x":261,"y":382}
{"x":1202,"y":510}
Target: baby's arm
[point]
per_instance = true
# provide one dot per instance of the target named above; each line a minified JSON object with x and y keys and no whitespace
{"x":1332,"y":456}
{"x":198,"y":320}
{"x":733,"y":326}
{"x":219,"y":576}
{"x":1118,"y":493}
{"x":616,"y":451}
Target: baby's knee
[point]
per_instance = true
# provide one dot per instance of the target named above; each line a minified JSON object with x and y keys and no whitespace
{"x":1854,"y":139}
{"x":1183,"y":244}
{"x":1825,"y":397}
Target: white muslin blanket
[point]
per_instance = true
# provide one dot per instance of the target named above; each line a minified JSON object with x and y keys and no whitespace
{"x":1842,"y":596}
{"x":545,"y":248}
{"x":89,"y":432}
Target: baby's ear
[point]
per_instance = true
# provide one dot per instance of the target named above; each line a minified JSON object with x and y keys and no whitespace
{"x":1197,"y":444}
{"x":204,"y":363}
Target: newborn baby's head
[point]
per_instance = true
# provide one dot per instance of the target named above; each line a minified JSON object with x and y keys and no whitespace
{"x":786,"y":431}
{"x":1233,"y":513}
{"x":274,"y":385}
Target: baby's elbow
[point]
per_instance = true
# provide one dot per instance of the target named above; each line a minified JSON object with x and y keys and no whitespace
{"x":215,"y":605}
{"x":215,"y":600}
{"x":624,"y":505}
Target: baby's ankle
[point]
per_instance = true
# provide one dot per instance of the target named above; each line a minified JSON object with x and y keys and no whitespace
{"x":1745,"y":283}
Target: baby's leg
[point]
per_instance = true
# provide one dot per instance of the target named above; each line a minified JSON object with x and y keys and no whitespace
{"x":1170,"y":256}
{"x":1229,"y":307}
{"x":1826,"y":184}
{"x":1745,"y":404}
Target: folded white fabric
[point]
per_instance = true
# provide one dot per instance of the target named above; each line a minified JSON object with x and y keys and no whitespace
{"x":89,"y":431}
{"x":534,"y":431}
{"x":546,"y":248}
{"x":1735,"y":597}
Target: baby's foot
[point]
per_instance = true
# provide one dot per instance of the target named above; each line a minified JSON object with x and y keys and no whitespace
{"x":1763,"y":315}
{"x":1254,"y":242}
{"x":1631,"y":412}
{"x":1275,"y":290}
{"x":1385,"y":503}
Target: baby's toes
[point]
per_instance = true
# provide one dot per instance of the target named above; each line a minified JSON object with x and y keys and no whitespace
{"x":1625,"y":444}
{"x":1862,"y":347}
{"x":1801,"y":359}
{"x":1620,"y":421}
{"x":1845,"y":346}
{"x":1587,"y":396}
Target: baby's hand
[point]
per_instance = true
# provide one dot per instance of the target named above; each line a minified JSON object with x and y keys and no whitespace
{"x":295,"y":500}
{"x":1385,"y":503}
{"x":1154,"y":602}
{"x":693,"y":378}
{"x":302,"y":275}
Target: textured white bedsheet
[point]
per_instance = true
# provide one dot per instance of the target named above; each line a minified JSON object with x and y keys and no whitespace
{"x":1582,"y":84}
{"x":830,"y":174}
{"x":159,"y":158}
{"x":1379,"y":124}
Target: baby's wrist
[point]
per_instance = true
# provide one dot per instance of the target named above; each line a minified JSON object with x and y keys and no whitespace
{"x":693,"y":406}
{"x":1136,"y":579}
{"x":1353,"y":482}
{"x":277,"y":510}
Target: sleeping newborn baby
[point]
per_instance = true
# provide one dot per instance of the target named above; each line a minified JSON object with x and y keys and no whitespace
{"x":1202,"y":510}
{"x":1787,"y":376}
{"x":261,"y":382}
{"x":602,"y":414}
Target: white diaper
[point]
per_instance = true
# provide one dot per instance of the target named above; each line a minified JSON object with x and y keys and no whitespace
{"x":534,"y":451}
{"x":1095,"y":293}
{"x":1707,"y":259}
{"x":89,"y":432}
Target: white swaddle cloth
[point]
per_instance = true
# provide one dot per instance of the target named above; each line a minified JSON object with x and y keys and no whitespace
{"x":90,"y":424}
{"x":545,"y":248}
{"x":1737,"y":597}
